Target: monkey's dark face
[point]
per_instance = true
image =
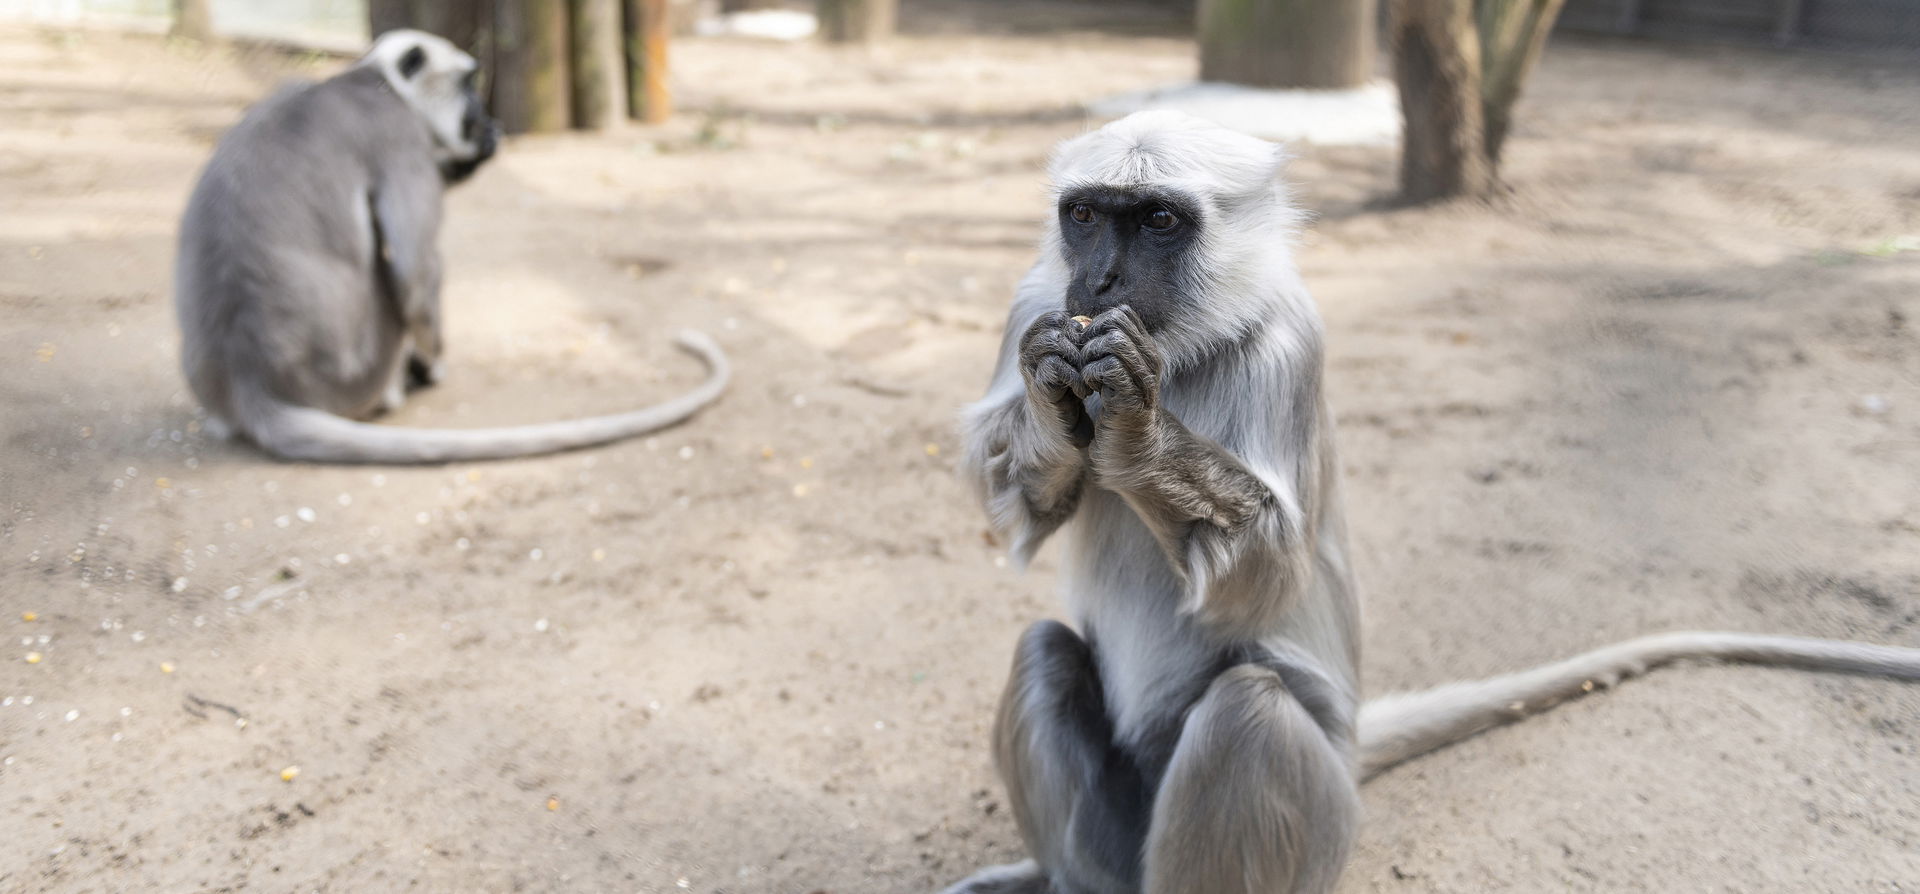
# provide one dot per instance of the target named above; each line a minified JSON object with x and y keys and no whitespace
{"x":1127,"y":247}
{"x":477,"y":129}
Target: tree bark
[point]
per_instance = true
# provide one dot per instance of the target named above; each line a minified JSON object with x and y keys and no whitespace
{"x":1512,"y":34}
{"x":464,"y":22}
{"x":599,"y":66}
{"x":857,"y":21}
{"x":193,"y":20}
{"x":1436,"y":54}
{"x":646,"y":26}
{"x":531,"y":91}
{"x":1287,"y":43}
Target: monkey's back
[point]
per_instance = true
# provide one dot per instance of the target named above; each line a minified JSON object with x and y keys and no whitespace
{"x":276,"y":277}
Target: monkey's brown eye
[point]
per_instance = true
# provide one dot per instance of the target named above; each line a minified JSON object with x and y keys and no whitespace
{"x":1162,"y":220}
{"x":1082,"y":214}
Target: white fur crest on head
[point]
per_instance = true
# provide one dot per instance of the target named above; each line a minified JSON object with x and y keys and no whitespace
{"x":1248,"y":219}
{"x":1169,"y":149}
{"x":433,"y":89}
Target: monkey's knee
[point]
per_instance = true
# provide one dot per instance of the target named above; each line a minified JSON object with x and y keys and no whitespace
{"x":1257,"y":799}
{"x":1053,"y":696}
{"x":1050,"y":744}
{"x":1050,"y":654}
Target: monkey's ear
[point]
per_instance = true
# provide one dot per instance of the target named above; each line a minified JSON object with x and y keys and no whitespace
{"x":412,"y":61}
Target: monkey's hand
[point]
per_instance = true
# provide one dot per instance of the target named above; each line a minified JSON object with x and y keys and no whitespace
{"x":1050,"y":363}
{"x":1223,"y":529}
{"x":1120,"y":362}
{"x":1024,"y":450}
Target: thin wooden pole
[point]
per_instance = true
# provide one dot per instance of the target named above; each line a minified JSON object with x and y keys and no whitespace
{"x":857,"y":21}
{"x":599,"y":78}
{"x":647,"y":28}
{"x":531,"y":92}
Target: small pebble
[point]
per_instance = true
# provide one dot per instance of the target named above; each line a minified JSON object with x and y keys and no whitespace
{"x":540,"y":626}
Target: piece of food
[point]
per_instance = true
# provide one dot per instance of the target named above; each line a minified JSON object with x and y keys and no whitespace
{"x":1083,"y":320}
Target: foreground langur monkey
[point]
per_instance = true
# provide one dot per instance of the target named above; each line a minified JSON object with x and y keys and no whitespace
{"x":308,"y":280}
{"x":1158,"y":400}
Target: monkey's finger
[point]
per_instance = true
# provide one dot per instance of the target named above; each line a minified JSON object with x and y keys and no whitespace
{"x":1053,"y":377}
{"x":1115,"y":383}
{"x":1044,"y":344}
{"x":1129,"y":322}
{"x":1140,"y":368}
{"x":1046,"y":325}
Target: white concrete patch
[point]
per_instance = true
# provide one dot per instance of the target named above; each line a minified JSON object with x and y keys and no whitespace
{"x":767,"y":24}
{"x":1365,"y":116}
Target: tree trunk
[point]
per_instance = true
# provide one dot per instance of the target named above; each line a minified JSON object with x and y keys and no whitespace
{"x":1436,"y":55}
{"x":193,"y":20}
{"x":1287,"y":43}
{"x":857,"y":21}
{"x":646,"y":26}
{"x":599,"y":68}
{"x":464,"y":22}
{"x":1512,"y":34}
{"x":531,"y":90}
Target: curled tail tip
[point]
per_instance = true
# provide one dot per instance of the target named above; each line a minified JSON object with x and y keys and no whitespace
{"x":696,"y":341}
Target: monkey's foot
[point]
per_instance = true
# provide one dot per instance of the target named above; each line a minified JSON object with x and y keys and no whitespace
{"x":1013,"y":878}
{"x":393,"y":398}
{"x":423,"y":373}
{"x":217,"y":428}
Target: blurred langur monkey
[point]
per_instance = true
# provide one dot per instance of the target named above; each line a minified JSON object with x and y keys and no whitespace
{"x":1158,"y":400}
{"x":308,"y":278}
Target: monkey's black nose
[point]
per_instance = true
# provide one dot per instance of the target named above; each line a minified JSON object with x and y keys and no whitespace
{"x":489,"y":139}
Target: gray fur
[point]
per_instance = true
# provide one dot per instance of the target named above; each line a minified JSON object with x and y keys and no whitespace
{"x":308,"y":278}
{"x":1202,"y":732}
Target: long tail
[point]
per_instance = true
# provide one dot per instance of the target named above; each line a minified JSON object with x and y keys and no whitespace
{"x":1397,"y":727}
{"x":303,"y":433}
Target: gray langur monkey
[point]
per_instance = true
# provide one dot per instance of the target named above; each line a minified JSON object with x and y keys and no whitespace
{"x":308,"y":280}
{"x":1158,"y":401}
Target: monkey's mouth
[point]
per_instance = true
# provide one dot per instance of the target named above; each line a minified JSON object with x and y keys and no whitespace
{"x":487,"y":143}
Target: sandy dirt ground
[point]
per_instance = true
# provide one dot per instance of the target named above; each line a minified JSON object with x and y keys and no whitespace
{"x":1672,"y":382}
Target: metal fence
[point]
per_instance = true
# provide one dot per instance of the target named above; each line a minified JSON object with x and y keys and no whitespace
{"x":1828,"y":24}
